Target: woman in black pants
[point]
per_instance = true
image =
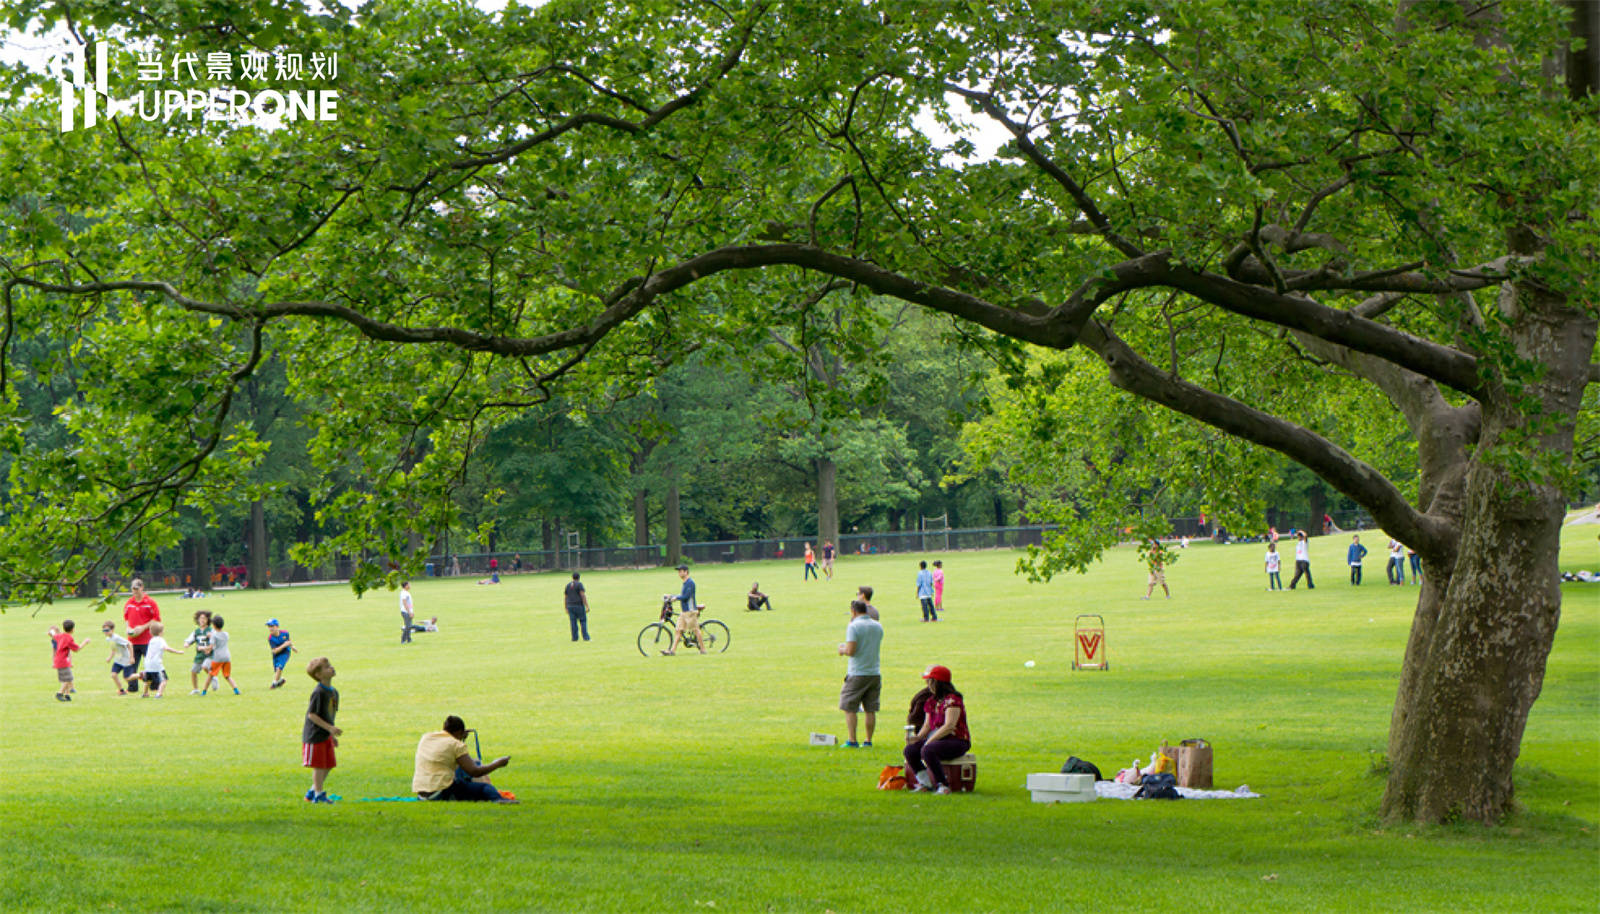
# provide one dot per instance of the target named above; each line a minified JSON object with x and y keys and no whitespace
{"x":943,"y":735}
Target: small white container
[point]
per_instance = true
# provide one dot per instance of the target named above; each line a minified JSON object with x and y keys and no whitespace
{"x":824,"y":739}
{"x":1048,"y":787}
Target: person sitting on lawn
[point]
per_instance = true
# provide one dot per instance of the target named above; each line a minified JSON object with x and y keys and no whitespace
{"x":755,"y":600}
{"x":444,"y":769}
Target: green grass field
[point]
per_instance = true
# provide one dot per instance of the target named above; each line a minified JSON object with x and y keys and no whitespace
{"x":686,"y":784}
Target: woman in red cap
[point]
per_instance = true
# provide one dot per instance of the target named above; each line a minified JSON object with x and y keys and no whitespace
{"x":943,"y":735}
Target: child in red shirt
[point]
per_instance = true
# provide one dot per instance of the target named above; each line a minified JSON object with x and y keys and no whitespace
{"x":62,"y":661}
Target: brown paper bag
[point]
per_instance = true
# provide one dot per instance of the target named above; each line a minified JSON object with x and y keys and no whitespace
{"x":1169,"y":764}
{"x":1194,"y":764}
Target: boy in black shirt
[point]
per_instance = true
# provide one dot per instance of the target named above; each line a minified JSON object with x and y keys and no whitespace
{"x":319,"y":736}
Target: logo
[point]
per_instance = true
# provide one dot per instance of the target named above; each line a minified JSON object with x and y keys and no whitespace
{"x":78,"y":64}
{"x":90,"y":93}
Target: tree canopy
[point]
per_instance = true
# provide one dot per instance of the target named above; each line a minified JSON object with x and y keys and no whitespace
{"x":1256,"y":217}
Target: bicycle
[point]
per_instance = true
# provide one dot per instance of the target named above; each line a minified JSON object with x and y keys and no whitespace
{"x":657,"y":636}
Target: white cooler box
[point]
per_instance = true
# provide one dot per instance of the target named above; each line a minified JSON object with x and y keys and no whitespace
{"x":1061,"y":788}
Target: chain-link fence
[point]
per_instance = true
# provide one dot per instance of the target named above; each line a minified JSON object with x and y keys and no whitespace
{"x":521,"y":561}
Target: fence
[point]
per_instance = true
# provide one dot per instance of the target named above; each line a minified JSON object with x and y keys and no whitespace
{"x":779,"y":548}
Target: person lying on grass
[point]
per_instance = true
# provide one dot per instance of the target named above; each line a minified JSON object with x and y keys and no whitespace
{"x":445,"y":770}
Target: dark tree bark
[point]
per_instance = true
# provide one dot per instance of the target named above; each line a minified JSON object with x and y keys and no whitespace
{"x":827,"y":502}
{"x":641,"y":519}
{"x":674,"y":526}
{"x":258,"y":545}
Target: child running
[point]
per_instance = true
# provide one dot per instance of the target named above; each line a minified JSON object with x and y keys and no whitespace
{"x":221,"y":658}
{"x":121,"y":658}
{"x":155,"y":661}
{"x":201,"y":639}
{"x":278,"y":640}
{"x":319,"y":736}
{"x":62,"y":658}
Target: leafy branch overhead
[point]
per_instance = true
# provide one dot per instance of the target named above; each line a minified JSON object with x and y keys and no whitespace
{"x":1213,"y":200}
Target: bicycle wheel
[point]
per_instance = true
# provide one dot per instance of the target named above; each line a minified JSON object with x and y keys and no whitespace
{"x":654,"y":638}
{"x":717,"y":636}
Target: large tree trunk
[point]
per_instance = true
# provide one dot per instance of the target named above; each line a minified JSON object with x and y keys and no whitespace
{"x":200,"y":546}
{"x":258,"y":545}
{"x":1484,"y":625}
{"x":674,"y":526}
{"x":827,"y":501}
{"x":641,"y":519}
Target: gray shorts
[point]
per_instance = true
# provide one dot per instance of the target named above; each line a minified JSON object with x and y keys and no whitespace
{"x":64,"y":674}
{"x":860,"y":692}
{"x":199,"y":665}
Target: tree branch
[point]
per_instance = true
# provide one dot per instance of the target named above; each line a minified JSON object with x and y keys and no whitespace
{"x":986,"y":102}
{"x":1130,"y":372}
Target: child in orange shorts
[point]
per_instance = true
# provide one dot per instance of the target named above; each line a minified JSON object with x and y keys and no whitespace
{"x":221,"y":663}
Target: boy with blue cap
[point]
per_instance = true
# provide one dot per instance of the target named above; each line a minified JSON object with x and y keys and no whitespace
{"x":278,"y":640}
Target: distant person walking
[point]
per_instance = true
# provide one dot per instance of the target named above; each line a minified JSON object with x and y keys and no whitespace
{"x":577,"y":602}
{"x":925,"y":593}
{"x":407,"y":612}
{"x":827,"y":559}
{"x":1416,"y":565}
{"x":811,"y":564}
{"x":863,"y":682}
{"x":688,"y":615}
{"x":1155,"y":556}
{"x":1302,"y":561}
{"x":938,"y":586}
{"x":1353,"y":556}
{"x":1274,"y":582}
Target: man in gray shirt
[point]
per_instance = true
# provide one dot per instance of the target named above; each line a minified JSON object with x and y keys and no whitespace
{"x":862,"y":680}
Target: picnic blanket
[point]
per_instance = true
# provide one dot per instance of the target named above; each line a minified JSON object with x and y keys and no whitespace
{"x":1111,"y":790}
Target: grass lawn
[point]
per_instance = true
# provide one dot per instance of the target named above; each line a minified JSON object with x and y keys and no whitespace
{"x":686,"y":784}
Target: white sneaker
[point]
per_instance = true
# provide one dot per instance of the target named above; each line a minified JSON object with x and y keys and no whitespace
{"x":194,"y":691}
{"x":941,"y":789}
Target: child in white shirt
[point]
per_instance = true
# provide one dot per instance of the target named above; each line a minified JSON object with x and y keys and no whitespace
{"x":121,"y":658}
{"x":155,"y":661}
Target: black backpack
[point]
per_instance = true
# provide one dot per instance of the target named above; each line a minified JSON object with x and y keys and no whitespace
{"x":1158,"y":787}
{"x":1077,"y":765}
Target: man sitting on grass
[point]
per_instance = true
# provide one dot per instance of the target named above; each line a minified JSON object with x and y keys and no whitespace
{"x":445,"y":771}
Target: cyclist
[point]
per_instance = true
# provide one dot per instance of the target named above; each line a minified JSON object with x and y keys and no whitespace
{"x":689,"y":617}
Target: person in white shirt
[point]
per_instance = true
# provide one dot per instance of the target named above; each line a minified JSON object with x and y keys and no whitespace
{"x":1274,"y":582}
{"x":406,"y":612}
{"x":121,"y":658}
{"x":1302,"y":561}
{"x":155,"y":661}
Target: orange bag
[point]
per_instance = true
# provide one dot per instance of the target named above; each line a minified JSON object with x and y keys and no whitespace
{"x":892,"y":777}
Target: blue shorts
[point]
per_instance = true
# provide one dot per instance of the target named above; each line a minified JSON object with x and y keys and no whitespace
{"x":279,"y":661}
{"x":126,"y":668}
{"x":156,"y":678}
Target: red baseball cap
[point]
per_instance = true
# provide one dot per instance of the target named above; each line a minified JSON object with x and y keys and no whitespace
{"x":941,"y":673}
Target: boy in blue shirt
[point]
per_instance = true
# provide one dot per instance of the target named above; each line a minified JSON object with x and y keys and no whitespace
{"x":925,"y":593}
{"x":278,"y":640}
{"x":1353,"y":557}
